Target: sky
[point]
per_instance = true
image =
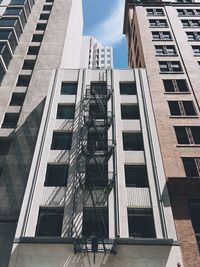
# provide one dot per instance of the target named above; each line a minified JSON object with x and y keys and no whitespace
{"x":103,"y":19}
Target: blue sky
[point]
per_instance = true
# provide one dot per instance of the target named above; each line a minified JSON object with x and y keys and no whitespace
{"x":103,"y":19}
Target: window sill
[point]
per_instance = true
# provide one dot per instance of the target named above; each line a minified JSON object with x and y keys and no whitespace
{"x":197,"y":55}
{"x":183,"y":117}
{"x":167,"y":55}
{"x":162,"y":40}
{"x":188,"y":145}
{"x":177,"y":93}
{"x":156,"y":15}
{"x":193,"y":40}
{"x":171,"y":72}
{"x":158,"y":26}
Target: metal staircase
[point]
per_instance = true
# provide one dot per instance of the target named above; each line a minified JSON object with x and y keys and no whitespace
{"x":94,"y":180}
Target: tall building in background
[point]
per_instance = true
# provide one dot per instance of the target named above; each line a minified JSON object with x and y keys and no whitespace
{"x":163,"y":37}
{"x":94,"y":55}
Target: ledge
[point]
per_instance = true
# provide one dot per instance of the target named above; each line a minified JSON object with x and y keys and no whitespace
{"x":119,"y":241}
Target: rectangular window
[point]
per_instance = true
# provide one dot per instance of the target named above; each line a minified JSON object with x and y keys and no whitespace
{"x":177,"y":86}
{"x":182,"y":108}
{"x":37,"y":38}
{"x":155,"y":12}
{"x":96,"y":175}
{"x":23,"y":80}
{"x":170,"y":66}
{"x":65,"y":112}
{"x":50,"y":222}
{"x":158,"y":23}
{"x":188,"y":134}
{"x":98,"y":112}
{"x":192,"y":167}
{"x":17,"y":99}
{"x":4,"y":145}
{"x":165,"y":50}
{"x":92,"y":225}
{"x":193,"y":35}
{"x":95,"y":142}
{"x":41,"y":26}
{"x":47,"y":7}
{"x":186,"y":12}
{"x":130,"y":112}
{"x":10,"y":120}
{"x":99,"y":88}
{"x":28,"y":64}
{"x":196,"y":50}
{"x":136,"y":176}
{"x":127,"y":88}
{"x":33,"y":50}
{"x":56,"y":175}
{"x":141,"y":223}
{"x":161,"y":36}
{"x":190,"y":23}
{"x":69,"y":88}
{"x":194,"y":208}
{"x":133,"y":141}
{"x":44,"y":16}
{"x":61,"y":141}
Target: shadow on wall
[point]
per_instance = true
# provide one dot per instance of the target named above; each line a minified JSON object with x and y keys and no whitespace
{"x":13,"y":181}
{"x":62,"y":255}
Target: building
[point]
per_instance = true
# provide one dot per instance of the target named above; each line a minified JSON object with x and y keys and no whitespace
{"x":94,"y":55}
{"x":34,"y":38}
{"x":163,"y":37}
{"x":96,"y":191}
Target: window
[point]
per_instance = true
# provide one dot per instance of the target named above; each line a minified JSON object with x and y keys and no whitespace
{"x":99,"y":88}
{"x":37,"y":38}
{"x":161,"y":36}
{"x":33,"y":50}
{"x":10,"y":36}
{"x":69,"y":88}
{"x":184,"y":1}
{"x":133,"y":141}
{"x":96,"y":175}
{"x":50,"y":222}
{"x":23,"y":80}
{"x":170,"y":66}
{"x":136,"y":176}
{"x":28,"y":64}
{"x":127,"y":88}
{"x":44,"y":16}
{"x":10,"y":120}
{"x":96,"y":142}
{"x":11,"y":22}
{"x":61,"y":141}
{"x":98,"y":112}
{"x":193,"y":35}
{"x":66,"y":112}
{"x":158,"y":23}
{"x":177,"y":86}
{"x":194,"y":208}
{"x":56,"y":175}
{"x":141,"y":223}
{"x":190,"y":23}
{"x":17,"y":99}
{"x":41,"y":26}
{"x":47,"y":7}
{"x":155,"y":11}
{"x":165,"y":50}
{"x":4,"y":145}
{"x":192,"y":167}
{"x":182,"y":108}
{"x":5,"y":53}
{"x":188,"y":134}
{"x":92,"y":226}
{"x":130,"y":112}
{"x":196,"y":50}
{"x":186,"y":12}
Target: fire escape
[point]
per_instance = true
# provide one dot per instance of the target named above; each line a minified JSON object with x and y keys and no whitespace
{"x":94,"y":180}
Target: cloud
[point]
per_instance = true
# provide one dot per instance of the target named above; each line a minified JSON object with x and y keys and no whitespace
{"x":110,"y":30}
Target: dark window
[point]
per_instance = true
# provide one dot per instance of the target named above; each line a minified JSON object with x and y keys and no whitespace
{"x":4,"y":145}
{"x":196,"y":49}
{"x":133,"y":141}
{"x":16,"y":11}
{"x":10,"y":36}
{"x":47,"y":7}
{"x":41,"y":26}
{"x":95,"y":142}
{"x":95,"y":222}
{"x":11,"y":22}
{"x":49,"y":1}
{"x":170,"y":66}
{"x":50,"y":222}
{"x":165,"y":50}
{"x":175,"y":86}
{"x":61,"y":141}
{"x":194,"y":208}
{"x":155,"y":11}
{"x":23,"y":80}
{"x":188,"y":134}
{"x":158,"y":23}
{"x":99,"y":88}
{"x":182,"y":108}
{"x":44,"y":16}
{"x":190,"y":23}
{"x":37,"y":38}
{"x":69,"y":89}
{"x":191,"y":166}
{"x":56,"y":175}
{"x":127,"y":89}
{"x":2,"y":72}
{"x":65,"y":112}
{"x":33,"y":50}
{"x":130,"y":112}
{"x":10,"y":120}
{"x":141,"y":223}
{"x":96,"y":175}
{"x":5,"y":53}
{"x":193,"y":35}
{"x":97,"y":111}
{"x":17,"y":99}
{"x":136,"y":175}
{"x":28,"y":64}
